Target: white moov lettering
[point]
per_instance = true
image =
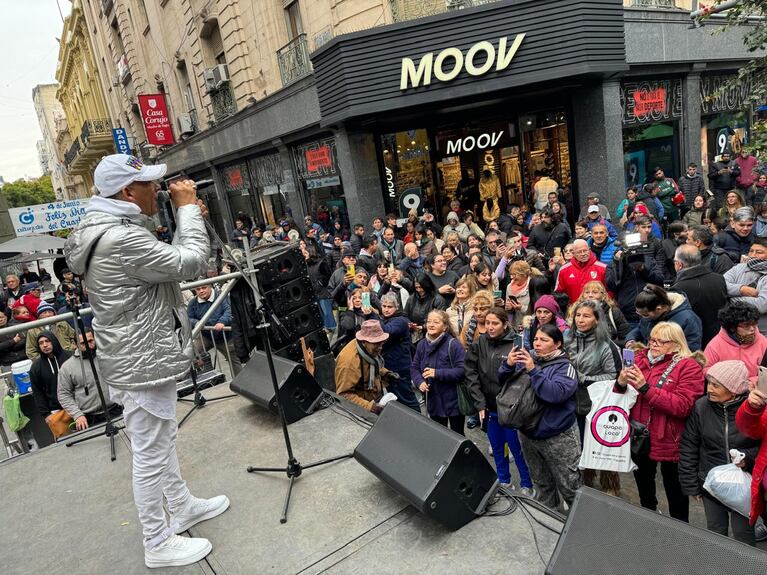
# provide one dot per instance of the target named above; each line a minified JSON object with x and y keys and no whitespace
{"x":505,"y":57}
{"x":457,"y":56}
{"x":414,"y":76}
{"x":429,"y":66}
{"x":468,"y":143}
{"x":485,"y":47}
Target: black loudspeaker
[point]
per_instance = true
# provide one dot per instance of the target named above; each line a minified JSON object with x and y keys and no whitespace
{"x":299,"y":392}
{"x":296,"y":324}
{"x":292,"y":295}
{"x":277,"y":264}
{"x":441,"y":473}
{"x":317,"y":341}
{"x":606,"y":535}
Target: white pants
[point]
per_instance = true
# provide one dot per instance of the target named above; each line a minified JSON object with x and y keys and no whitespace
{"x":156,"y":473}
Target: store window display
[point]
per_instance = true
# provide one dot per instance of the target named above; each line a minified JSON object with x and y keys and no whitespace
{"x":490,"y":195}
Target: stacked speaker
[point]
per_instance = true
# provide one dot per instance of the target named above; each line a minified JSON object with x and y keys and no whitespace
{"x":284,"y":279}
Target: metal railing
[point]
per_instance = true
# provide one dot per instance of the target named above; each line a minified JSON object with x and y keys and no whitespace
{"x":653,"y":3}
{"x":223,"y":102}
{"x":293,"y":59}
{"x":98,"y":127}
{"x":403,"y":10}
{"x":71,"y":154}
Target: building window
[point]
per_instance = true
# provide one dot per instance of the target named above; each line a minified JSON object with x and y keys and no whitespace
{"x":143,"y":17}
{"x":293,"y":20}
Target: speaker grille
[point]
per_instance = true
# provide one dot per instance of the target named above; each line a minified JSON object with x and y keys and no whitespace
{"x":292,"y":295}
{"x":606,"y":535}
{"x":297,"y":324}
{"x":317,"y":341}
{"x":278,"y":265}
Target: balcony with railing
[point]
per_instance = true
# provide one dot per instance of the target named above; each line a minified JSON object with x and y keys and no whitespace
{"x":688,"y":5}
{"x":293,"y":59}
{"x":403,"y":10}
{"x":94,"y":141}
{"x":223,"y":102}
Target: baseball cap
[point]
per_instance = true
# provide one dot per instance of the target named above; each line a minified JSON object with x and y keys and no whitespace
{"x":593,"y":196}
{"x":117,"y":171}
{"x":593,"y":209}
{"x":347,"y":253}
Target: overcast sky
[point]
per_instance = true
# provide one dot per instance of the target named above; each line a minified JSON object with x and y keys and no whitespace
{"x":28,"y":54}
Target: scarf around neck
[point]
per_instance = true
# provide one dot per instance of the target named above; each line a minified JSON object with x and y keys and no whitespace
{"x":376,"y":364}
{"x":757,"y":265}
{"x":553,"y":355}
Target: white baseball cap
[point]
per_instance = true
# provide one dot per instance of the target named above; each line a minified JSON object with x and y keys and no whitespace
{"x":117,"y":171}
{"x":593,"y":209}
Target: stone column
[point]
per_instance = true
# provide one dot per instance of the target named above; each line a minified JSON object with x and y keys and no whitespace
{"x":360,"y":175}
{"x":599,"y":143}
{"x":691,"y":148}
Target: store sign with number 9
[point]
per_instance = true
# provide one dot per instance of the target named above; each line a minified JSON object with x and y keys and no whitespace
{"x":410,"y":199}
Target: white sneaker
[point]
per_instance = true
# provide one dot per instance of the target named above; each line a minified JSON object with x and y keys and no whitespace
{"x":176,"y":551}
{"x":528,"y":492}
{"x":199,"y":510}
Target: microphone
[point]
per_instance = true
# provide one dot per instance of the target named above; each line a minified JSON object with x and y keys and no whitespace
{"x":164,"y":195}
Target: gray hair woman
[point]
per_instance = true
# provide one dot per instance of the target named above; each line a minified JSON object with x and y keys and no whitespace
{"x":396,"y":350}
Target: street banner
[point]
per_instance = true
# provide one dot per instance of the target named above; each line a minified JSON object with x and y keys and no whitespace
{"x":120,"y":136}
{"x":154,"y":113}
{"x":44,"y":218}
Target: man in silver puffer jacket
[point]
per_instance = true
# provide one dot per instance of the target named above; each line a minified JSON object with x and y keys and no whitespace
{"x":143,"y":336}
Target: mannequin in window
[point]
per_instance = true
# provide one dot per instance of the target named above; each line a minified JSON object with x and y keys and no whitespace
{"x":466,"y":191}
{"x":490,"y":194}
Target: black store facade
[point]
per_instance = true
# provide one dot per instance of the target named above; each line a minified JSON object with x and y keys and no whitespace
{"x":433,"y":104}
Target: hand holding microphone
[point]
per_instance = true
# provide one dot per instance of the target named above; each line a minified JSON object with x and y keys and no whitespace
{"x":183,"y":193}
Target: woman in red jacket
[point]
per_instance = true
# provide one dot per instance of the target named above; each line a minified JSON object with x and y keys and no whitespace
{"x":752,"y":422}
{"x":669,"y":381}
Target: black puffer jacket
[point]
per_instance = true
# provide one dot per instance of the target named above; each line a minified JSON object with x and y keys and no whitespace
{"x":735,"y":245}
{"x":417,"y":307}
{"x":708,"y":437}
{"x":10,"y":350}
{"x":483,"y":359}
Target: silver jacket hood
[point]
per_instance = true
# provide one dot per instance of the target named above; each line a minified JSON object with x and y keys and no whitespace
{"x":139,"y":320}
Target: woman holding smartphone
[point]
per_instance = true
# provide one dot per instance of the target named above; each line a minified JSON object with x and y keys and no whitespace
{"x":553,"y":449}
{"x":359,"y":310}
{"x":669,"y":381}
{"x":483,"y":360}
{"x":437,"y":368}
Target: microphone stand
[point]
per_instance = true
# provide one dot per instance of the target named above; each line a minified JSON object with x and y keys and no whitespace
{"x":293,"y":468}
{"x":110,"y":429}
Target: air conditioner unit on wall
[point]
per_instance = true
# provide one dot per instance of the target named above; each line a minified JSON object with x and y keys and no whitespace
{"x":185,"y":124}
{"x":210,"y":81}
{"x":221,"y":75}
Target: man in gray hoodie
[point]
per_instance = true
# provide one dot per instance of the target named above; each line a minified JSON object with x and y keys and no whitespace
{"x":78,"y":395}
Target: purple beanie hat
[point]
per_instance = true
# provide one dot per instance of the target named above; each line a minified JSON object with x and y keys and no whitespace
{"x":547,"y":302}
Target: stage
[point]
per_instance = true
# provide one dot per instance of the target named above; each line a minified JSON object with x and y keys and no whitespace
{"x":70,"y":510}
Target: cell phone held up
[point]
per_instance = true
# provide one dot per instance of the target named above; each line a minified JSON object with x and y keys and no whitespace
{"x":761,"y":381}
{"x":628,"y":357}
{"x":366,"y":299}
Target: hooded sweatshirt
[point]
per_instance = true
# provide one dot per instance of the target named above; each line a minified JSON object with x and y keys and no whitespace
{"x":681,"y":314}
{"x":454,"y":224}
{"x":44,"y":375}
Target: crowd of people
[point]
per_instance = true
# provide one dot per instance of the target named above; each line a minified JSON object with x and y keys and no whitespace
{"x":443,"y":315}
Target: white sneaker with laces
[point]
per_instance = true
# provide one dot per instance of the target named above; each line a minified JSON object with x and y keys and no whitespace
{"x":199,"y":510}
{"x":176,"y":551}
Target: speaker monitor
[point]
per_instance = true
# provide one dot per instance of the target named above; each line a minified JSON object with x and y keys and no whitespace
{"x":278,"y":264}
{"x":299,"y":392}
{"x":297,"y":324}
{"x":292,"y":295}
{"x":441,"y":473}
{"x":605,"y":535}
{"x":317,"y":341}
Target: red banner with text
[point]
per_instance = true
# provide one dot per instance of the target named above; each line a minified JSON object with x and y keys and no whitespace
{"x":154,"y":113}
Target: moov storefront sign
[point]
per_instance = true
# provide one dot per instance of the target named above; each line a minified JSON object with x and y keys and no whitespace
{"x":496,"y":50}
{"x":482,"y":58}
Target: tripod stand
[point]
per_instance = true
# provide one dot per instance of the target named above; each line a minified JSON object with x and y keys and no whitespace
{"x":199,"y":400}
{"x":110,"y":429}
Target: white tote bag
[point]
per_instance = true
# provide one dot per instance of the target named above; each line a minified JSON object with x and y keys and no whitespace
{"x":607,"y":439}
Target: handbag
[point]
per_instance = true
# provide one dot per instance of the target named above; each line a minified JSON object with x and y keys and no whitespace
{"x":465,"y":401}
{"x":640,"y":432}
{"x":58,"y":423}
{"x":518,"y":406}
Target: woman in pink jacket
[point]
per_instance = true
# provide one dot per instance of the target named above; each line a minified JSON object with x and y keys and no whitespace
{"x":739,"y":338}
{"x":669,"y":381}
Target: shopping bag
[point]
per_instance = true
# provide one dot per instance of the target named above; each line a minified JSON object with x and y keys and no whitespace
{"x":13,"y":414}
{"x":607,"y":439}
{"x":731,"y":486}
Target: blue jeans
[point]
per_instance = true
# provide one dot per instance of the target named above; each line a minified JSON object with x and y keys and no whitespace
{"x":403,"y":389}
{"x":500,"y":436}
{"x":326,"y":307}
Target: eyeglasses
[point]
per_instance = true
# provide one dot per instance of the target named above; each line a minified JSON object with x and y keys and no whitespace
{"x":656,"y":341}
